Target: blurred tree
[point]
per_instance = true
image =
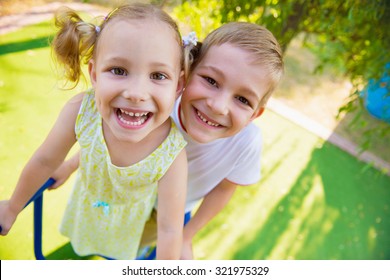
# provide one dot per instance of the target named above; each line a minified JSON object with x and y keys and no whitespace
{"x":353,"y":35}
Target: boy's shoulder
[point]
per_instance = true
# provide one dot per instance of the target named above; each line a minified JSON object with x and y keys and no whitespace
{"x":247,"y":141}
{"x":249,"y":133}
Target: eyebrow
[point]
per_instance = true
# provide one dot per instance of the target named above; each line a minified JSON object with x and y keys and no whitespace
{"x":113,"y":58}
{"x":212,"y":68}
{"x":164,"y":65}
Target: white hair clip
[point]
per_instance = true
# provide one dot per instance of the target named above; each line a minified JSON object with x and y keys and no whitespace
{"x":97,"y":29}
{"x":190,"y":39}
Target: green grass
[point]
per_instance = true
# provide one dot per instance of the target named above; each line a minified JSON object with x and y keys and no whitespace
{"x":314,"y":201}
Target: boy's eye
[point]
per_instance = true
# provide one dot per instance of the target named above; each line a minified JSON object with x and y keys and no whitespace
{"x":118,"y":71}
{"x":211,"y":81}
{"x":158,"y":76}
{"x":243,"y":100}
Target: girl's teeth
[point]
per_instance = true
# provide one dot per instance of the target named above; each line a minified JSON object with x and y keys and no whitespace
{"x":206,"y":121}
{"x":141,"y":121}
{"x":142,"y":117}
{"x":131,"y":114}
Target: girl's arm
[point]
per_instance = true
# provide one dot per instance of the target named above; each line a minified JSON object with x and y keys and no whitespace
{"x":211,"y":205}
{"x":172,"y":189}
{"x":64,"y":171}
{"x":42,"y":164}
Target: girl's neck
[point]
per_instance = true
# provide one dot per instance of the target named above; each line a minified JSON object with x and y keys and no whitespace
{"x":123,"y":153}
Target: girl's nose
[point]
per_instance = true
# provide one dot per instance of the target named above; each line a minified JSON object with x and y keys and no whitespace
{"x":136,"y":90}
{"x":218,"y":103}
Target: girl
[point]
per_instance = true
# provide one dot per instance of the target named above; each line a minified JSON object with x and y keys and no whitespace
{"x":131,"y":151}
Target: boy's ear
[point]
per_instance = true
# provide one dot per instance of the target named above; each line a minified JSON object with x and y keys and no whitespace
{"x":180,"y":84}
{"x":258,"y":113}
{"x":92,"y":72}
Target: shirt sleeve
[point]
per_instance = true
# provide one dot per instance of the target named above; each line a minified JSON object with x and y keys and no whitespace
{"x":247,"y":168}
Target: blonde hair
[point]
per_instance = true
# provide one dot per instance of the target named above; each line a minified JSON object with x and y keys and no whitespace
{"x":76,"y":40}
{"x":255,"y":39}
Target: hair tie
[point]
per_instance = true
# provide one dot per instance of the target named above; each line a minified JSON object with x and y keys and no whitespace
{"x":97,"y":29}
{"x":190,"y":39}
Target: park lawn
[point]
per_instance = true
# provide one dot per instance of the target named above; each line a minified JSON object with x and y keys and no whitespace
{"x":314,"y":201}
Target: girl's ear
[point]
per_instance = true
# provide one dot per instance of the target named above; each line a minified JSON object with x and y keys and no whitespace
{"x":258,"y":113}
{"x":92,"y":72}
{"x":180,"y":84}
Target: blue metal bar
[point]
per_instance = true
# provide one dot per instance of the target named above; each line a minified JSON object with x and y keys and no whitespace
{"x":38,"y":206}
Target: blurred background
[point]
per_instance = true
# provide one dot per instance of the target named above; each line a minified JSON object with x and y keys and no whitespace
{"x":325,"y":169}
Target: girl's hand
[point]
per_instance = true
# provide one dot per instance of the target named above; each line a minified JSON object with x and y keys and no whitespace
{"x":7,"y":217}
{"x":186,"y":251}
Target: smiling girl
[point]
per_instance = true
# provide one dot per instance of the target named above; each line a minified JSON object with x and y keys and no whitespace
{"x":131,"y":153}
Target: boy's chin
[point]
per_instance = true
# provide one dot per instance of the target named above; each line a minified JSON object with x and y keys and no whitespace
{"x":204,"y":137}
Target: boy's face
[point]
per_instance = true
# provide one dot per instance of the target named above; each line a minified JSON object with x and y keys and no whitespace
{"x":223,"y":94}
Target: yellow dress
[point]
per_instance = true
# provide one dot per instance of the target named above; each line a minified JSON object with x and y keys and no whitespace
{"x":109,"y":205}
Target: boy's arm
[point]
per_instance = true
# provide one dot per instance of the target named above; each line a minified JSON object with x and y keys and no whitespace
{"x":172,"y":189}
{"x":211,"y":205}
{"x":42,"y":164}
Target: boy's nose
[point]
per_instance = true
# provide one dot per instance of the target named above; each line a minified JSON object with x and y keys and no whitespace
{"x":218,"y":104}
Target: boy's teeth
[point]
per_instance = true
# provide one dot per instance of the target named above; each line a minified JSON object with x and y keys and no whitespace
{"x":206,"y":121}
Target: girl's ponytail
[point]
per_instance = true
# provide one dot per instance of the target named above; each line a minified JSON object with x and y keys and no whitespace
{"x":73,"y":43}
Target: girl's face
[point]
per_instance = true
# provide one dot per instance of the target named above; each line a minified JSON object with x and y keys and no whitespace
{"x":136,"y":77}
{"x":223,"y":94}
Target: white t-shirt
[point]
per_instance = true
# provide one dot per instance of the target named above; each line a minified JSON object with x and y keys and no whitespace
{"x":235,"y":158}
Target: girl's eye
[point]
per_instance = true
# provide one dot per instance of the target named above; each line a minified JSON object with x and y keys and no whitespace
{"x":118,"y":71}
{"x":211,"y":81}
{"x":243,"y":100}
{"x":158,"y":76}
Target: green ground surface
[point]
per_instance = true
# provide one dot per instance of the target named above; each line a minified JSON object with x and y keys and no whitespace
{"x":314,"y":201}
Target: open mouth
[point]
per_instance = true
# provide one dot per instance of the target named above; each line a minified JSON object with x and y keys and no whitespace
{"x":206,"y":120}
{"x":130,"y":118}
